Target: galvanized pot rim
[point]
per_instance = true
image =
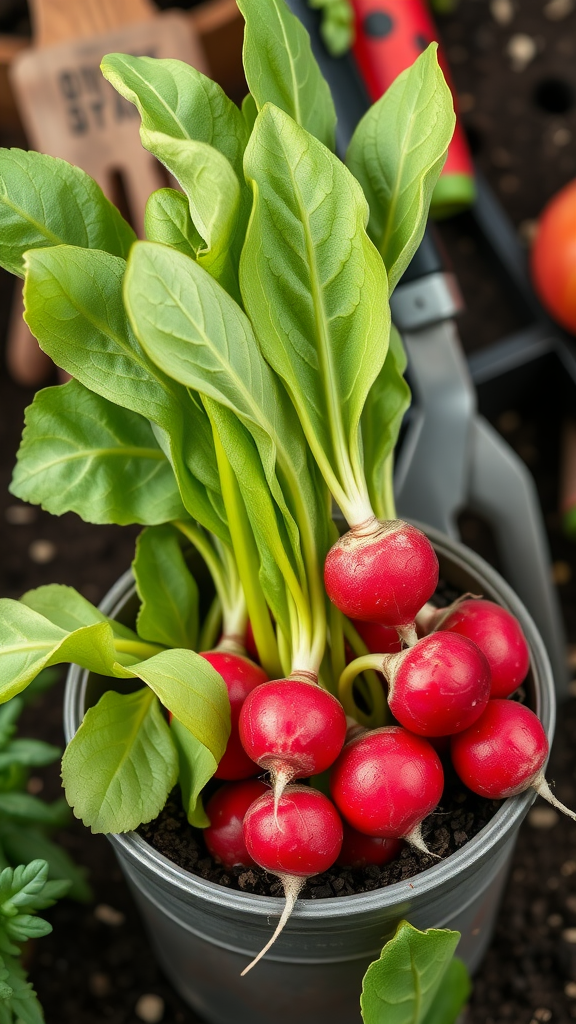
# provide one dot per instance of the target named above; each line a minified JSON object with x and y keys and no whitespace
{"x":504,"y":821}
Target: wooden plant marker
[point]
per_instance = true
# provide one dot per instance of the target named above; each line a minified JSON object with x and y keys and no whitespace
{"x":70,"y":111}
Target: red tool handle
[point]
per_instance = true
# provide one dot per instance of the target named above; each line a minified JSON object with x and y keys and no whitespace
{"x":390,"y":34}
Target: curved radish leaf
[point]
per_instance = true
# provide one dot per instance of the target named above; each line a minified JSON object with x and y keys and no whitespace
{"x":281,"y":69}
{"x":81,"y":453}
{"x":400,"y":987}
{"x":73,"y":301}
{"x":213,"y":192}
{"x":66,"y":608}
{"x":167,"y":589}
{"x":122,"y":763}
{"x":397,"y":153}
{"x":315,"y":289}
{"x":197,"y":766}
{"x":167,"y":220}
{"x":45,"y":201}
{"x":174,"y":98}
{"x":193,"y":691}
{"x":452,"y":995}
{"x":29,"y":642}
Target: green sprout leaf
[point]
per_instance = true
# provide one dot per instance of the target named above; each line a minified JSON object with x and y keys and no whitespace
{"x":397,"y":153}
{"x":167,"y":589}
{"x":400,"y":987}
{"x":197,"y":766}
{"x":452,"y":995}
{"x":193,"y":691}
{"x":177,"y":100}
{"x":122,"y":763}
{"x":45,"y":201}
{"x":281,"y":69}
{"x":81,"y":453}
{"x":315,"y":289}
{"x":74,"y":307}
{"x":167,"y":220}
{"x":337,"y":25}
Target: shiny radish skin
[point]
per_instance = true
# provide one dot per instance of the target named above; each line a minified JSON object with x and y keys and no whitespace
{"x":438,"y":687}
{"x":378,"y":639}
{"x":386,"y":782}
{"x":382,"y":576}
{"x":292,"y":728}
{"x":359,"y":850}
{"x":503,"y":753}
{"x":241,"y":677}
{"x":302,"y":838}
{"x":226,"y":810}
{"x":294,"y":837}
{"x":499,"y":636}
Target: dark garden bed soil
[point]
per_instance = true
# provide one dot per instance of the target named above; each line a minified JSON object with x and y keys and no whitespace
{"x":97,"y":966}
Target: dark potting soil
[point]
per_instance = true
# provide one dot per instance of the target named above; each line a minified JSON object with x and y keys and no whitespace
{"x":459,"y":816}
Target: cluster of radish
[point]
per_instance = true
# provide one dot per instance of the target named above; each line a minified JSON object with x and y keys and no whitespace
{"x":449,"y":680}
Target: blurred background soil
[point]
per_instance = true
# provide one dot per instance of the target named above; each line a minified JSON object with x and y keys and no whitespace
{"x":520,"y":115}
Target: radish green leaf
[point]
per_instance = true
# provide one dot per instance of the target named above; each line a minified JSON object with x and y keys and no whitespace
{"x":167,"y":590}
{"x":281,"y":69}
{"x":397,"y":153}
{"x":81,"y":453}
{"x":316,"y":291}
{"x":122,"y":763}
{"x":168,"y":220}
{"x":197,"y":766}
{"x":45,"y":201}
{"x":387,"y":401}
{"x":73,"y":300}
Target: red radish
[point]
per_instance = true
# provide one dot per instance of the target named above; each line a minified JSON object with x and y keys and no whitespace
{"x":503,"y":754}
{"x":293,"y":729}
{"x":299,"y":838}
{"x":498,"y":635}
{"x":385,"y":782}
{"x":438,"y":687}
{"x":383,"y":572}
{"x":241,"y":677}
{"x":378,"y":639}
{"x":226,"y":809}
{"x":358,"y":849}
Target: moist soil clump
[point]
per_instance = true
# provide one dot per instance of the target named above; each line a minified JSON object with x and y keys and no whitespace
{"x":458,"y":818}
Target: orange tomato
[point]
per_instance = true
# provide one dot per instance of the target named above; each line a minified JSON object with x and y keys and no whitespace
{"x":553,"y":259}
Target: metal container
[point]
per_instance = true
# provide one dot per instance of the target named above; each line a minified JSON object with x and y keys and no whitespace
{"x":204,"y":934}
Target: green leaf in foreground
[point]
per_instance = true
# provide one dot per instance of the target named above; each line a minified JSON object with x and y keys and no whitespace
{"x":452,"y":995}
{"x":122,"y":763}
{"x":80,"y":453}
{"x":45,"y":201}
{"x":280,"y":67}
{"x":29,"y":642}
{"x":193,"y":691}
{"x":397,"y":153}
{"x":167,"y":590}
{"x":316,"y":291}
{"x":197,"y":766}
{"x":401,"y":986}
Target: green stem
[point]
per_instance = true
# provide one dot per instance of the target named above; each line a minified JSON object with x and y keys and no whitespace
{"x":388,"y":503}
{"x":211,"y":627}
{"x":337,"y":649}
{"x":137,"y":648}
{"x":248,"y":564}
{"x":378,"y":711}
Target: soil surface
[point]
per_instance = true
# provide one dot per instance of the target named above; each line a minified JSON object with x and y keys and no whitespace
{"x":97,"y":965}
